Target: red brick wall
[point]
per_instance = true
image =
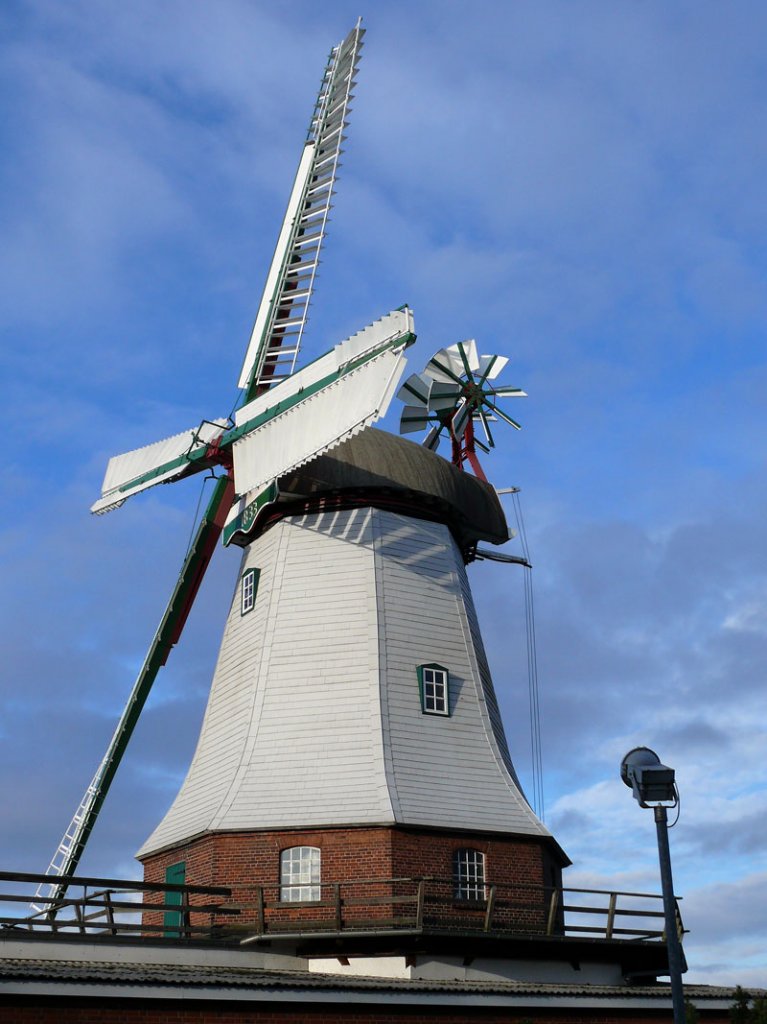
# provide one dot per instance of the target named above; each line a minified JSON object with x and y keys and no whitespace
{"x":245,"y":861}
{"x":509,"y":861}
{"x":41,"y":1010}
{"x":518,"y":868}
{"x":235,"y":858}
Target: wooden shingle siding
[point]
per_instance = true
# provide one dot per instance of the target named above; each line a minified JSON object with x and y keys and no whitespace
{"x":314,"y":716}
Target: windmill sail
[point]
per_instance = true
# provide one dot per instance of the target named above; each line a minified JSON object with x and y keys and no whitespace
{"x":156,"y":463}
{"x":326,"y":402}
{"x":281,"y":318}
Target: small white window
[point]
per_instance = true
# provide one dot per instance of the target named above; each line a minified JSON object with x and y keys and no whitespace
{"x":433,"y":680}
{"x":469,"y":875}
{"x":248,"y":590}
{"x":300,"y":874}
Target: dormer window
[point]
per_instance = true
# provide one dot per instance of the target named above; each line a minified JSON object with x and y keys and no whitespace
{"x":433,"y":685}
{"x":248,"y":588}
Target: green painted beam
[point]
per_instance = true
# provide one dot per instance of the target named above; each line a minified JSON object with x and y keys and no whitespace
{"x":167,"y":634}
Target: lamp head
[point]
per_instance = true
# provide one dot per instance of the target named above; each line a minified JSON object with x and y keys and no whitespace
{"x":652,"y":782}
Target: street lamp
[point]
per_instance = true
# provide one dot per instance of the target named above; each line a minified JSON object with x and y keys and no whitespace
{"x":653,"y":786}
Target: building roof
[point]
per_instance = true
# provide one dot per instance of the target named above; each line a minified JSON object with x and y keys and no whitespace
{"x":229,"y":982}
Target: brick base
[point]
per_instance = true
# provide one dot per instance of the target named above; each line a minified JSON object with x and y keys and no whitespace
{"x":358,"y":860}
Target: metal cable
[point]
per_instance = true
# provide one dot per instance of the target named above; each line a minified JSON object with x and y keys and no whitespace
{"x":209,"y":476}
{"x":532,"y":671}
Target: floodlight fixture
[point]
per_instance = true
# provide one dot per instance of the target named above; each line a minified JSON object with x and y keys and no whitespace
{"x":654,"y":785}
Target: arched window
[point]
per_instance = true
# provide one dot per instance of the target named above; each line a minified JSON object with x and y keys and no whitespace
{"x":468,"y":874}
{"x":300,"y":874}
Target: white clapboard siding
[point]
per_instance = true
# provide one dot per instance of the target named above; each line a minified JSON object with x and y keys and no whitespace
{"x":314,"y":716}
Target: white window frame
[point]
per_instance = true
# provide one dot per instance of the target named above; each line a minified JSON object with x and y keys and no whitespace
{"x":300,"y":874}
{"x":434,"y":683}
{"x":248,"y":586}
{"x":469,"y":874}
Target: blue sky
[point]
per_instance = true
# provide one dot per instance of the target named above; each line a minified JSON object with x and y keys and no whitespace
{"x":580,"y":187}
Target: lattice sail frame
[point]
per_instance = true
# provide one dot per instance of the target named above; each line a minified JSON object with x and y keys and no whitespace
{"x":279,"y":326}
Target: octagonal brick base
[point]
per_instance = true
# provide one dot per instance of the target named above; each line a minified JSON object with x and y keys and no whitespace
{"x":373,"y":872}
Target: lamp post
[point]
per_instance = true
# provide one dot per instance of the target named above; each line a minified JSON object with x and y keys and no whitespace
{"x":653,"y":786}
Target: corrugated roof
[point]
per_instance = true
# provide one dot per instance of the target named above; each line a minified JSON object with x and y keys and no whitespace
{"x":186,"y":976}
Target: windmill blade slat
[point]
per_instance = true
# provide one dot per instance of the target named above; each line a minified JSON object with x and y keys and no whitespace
{"x":415,"y":387}
{"x":490,"y":366}
{"x":442,"y":367}
{"x":337,"y":395}
{"x":156,"y":463}
{"x":413,"y":419}
{"x":431,"y":441}
{"x":459,"y":421}
{"x":507,"y":392}
{"x":443,"y":395}
{"x":504,"y":417}
{"x":484,"y":419}
{"x":467,"y":356}
{"x":312,"y":191}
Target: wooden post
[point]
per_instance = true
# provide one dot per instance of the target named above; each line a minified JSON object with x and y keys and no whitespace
{"x":552,"y":911}
{"x":110,"y":912}
{"x":611,"y":915}
{"x":337,"y":902}
{"x":186,"y":916}
{"x":260,"y":909}
{"x":420,"y":899}
{"x":490,"y":908}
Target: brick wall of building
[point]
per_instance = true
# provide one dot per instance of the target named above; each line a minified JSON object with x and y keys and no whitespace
{"x":357,"y":860}
{"x":42,"y":1010}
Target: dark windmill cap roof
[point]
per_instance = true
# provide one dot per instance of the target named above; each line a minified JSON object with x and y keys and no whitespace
{"x":390,"y":471}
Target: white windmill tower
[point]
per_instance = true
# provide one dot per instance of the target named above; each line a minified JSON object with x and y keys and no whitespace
{"x":352,"y":730}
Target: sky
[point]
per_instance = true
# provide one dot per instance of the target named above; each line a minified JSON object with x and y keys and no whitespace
{"x":580,"y":187}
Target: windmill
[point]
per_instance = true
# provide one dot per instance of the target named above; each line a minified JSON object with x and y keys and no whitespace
{"x":351,"y":690}
{"x":285,"y":419}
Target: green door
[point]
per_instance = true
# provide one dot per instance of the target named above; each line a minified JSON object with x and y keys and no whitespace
{"x":175,"y":874}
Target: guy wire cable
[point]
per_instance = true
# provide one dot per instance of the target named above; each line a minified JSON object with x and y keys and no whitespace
{"x":532,"y":670}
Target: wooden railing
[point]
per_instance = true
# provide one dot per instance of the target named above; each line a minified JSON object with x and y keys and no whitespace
{"x":110,"y":907}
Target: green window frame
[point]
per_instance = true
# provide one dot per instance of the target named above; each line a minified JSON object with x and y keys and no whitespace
{"x":434,"y":689}
{"x":175,"y":874}
{"x":248,"y":590}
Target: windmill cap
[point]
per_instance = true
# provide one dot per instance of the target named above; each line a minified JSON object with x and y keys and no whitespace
{"x":380,"y":469}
